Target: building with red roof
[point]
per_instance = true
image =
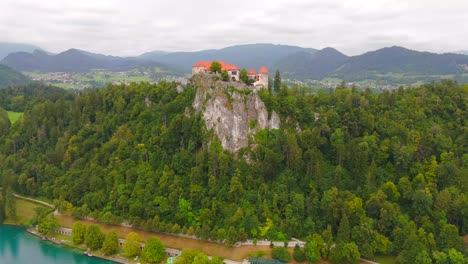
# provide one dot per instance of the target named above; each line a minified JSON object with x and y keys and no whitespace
{"x":204,"y":67}
{"x":260,"y":79}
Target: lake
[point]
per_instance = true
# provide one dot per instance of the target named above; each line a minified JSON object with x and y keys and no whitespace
{"x":19,"y":247}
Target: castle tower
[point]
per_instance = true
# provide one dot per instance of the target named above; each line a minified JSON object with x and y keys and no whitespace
{"x":253,"y":75}
{"x":263,"y":77}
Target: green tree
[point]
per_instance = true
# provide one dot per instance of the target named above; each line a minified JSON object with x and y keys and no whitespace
{"x":346,"y":253}
{"x":423,"y":258}
{"x":327,"y":236}
{"x":10,"y":205}
{"x":215,"y":66}
{"x":456,"y":257}
{"x":190,"y":256}
{"x":154,"y":250}
{"x":449,"y":237}
{"x":78,"y":233}
{"x":281,"y":254}
{"x":439,"y":257}
{"x":312,"y":252}
{"x":225,"y":76}
{"x":344,"y":231}
{"x":2,"y":209}
{"x":243,"y":76}
{"x":298,"y":254}
{"x":48,"y":225}
{"x":391,"y":190}
{"x":111,"y":244}
{"x":277,"y":82}
{"x":4,"y":122}
{"x":94,"y":237}
{"x":132,"y":245}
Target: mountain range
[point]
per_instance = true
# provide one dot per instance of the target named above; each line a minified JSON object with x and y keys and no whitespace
{"x":392,"y":64}
{"x":7,"y":48}
{"x":245,"y":56}
{"x":381,"y":63}
{"x":72,"y":60}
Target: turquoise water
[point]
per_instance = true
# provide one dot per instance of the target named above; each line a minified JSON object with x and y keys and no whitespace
{"x":19,"y":247}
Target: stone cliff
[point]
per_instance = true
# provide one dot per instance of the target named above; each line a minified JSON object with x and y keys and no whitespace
{"x":231,"y":110}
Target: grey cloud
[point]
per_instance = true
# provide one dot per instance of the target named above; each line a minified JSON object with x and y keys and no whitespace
{"x":123,"y":27}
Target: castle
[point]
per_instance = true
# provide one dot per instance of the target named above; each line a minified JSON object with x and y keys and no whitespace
{"x":260,"y":79}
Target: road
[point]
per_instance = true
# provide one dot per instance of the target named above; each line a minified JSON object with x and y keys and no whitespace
{"x":34,"y":200}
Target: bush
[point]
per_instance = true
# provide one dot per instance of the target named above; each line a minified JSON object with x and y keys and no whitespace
{"x":298,"y":254}
{"x":225,"y":76}
{"x":281,"y":254}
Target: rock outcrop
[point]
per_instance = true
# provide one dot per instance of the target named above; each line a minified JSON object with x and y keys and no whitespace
{"x":231,"y":110}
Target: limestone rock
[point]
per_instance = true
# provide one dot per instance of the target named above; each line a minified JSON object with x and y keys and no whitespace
{"x":232,"y":111}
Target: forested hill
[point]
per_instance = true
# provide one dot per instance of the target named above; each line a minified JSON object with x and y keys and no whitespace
{"x":10,"y":76}
{"x":367,"y":173}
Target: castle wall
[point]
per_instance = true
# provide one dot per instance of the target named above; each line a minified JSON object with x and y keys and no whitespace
{"x":263,"y":80}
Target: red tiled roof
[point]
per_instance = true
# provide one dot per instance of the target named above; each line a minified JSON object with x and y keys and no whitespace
{"x":263,"y":70}
{"x":224,"y":66}
{"x":252,"y":72}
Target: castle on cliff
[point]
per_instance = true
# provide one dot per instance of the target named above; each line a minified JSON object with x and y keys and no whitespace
{"x":260,"y":78}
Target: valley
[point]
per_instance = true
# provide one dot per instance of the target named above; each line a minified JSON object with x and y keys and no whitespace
{"x":101,"y":78}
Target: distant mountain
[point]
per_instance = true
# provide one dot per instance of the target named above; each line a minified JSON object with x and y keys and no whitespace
{"x":464,"y":52}
{"x":72,"y":60}
{"x":10,"y":76}
{"x":401,"y":60}
{"x":306,"y":65}
{"x":248,"y":56}
{"x":7,"y":48}
{"x":153,"y":55}
{"x":392,"y":64}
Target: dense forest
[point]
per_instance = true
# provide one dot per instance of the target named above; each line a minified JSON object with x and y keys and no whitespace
{"x":354,"y":173}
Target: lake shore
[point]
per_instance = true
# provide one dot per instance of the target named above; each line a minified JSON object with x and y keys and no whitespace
{"x":54,"y":241}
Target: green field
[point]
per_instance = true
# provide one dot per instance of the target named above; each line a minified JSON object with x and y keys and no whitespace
{"x":14,"y":116}
{"x":25,"y":211}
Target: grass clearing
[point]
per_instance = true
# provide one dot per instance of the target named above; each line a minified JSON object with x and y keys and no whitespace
{"x":25,"y":211}
{"x":14,"y":116}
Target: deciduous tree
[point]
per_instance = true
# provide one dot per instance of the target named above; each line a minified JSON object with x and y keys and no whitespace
{"x":111,"y":243}
{"x":78,"y":232}
{"x":215,"y":66}
{"x":132,"y":245}
{"x":154,"y":250}
{"x":94,"y":237}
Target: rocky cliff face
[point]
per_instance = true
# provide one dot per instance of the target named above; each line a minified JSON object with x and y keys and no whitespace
{"x":232,"y":110}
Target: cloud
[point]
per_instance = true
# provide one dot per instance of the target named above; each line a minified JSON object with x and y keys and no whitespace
{"x":124,"y":27}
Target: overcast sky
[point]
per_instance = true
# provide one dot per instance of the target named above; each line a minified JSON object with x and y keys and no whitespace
{"x":131,"y":27}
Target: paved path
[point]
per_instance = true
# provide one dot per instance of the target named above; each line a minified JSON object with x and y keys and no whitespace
{"x":34,"y":200}
{"x":369,"y":261}
{"x":292,"y":243}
